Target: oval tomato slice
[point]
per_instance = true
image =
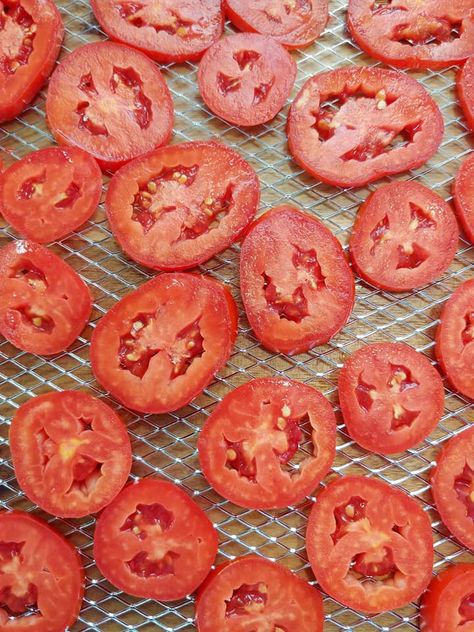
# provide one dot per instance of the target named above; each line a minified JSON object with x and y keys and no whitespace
{"x":246,"y":78}
{"x":41,"y":577}
{"x":464,"y":196}
{"x":465,"y":88}
{"x":448,"y":604}
{"x":111,"y":101}
{"x":269,"y":443}
{"x":45,"y":304}
{"x":252,"y":593}
{"x":353,"y":125}
{"x":297,"y":287}
{"x":154,"y":542}
{"x":404,"y":236}
{"x":369,"y":544}
{"x":179,"y":206}
{"x":161,"y":345}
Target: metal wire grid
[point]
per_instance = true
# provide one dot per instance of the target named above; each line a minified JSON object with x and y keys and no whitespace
{"x":166,"y":444}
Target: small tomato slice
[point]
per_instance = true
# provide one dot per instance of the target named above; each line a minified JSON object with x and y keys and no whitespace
{"x":448,"y":604}
{"x":463,"y":191}
{"x":465,"y":88}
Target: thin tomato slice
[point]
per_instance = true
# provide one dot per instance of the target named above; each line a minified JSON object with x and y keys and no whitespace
{"x":448,"y":604}
{"x":464,"y":196}
{"x":465,"y":87}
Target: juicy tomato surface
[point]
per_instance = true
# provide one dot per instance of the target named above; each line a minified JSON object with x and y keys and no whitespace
{"x":162,"y":344}
{"x":154,"y":542}
{"x":246,"y":78}
{"x":297,"y":287}
{"x":177,"y":207}
{"x":41,"y":577}
{"x":163,"y":29}
{"x":448,"y":604}
{"x":45,"y":304}
{"x":354,"y":125}
{"x":404,"y":236}
{"x":30,"y":40}
{"x":49,"y":193}
{"x":252,"y":593}
{"x":369,"y":544}
{"x":463,"y":191}
{"x":465,"y":88}
{"x":268,"y":443}
{"x":111,"y":101}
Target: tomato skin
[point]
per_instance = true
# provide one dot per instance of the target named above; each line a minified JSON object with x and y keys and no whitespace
{"x":463,"y":191}
{"x":465,"y":89}
{"x":441,"y":602}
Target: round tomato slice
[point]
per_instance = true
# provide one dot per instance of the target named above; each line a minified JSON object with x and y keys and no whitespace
{"x":45,"y":304}
{"x":41,"y":577}
{"x":111,"y":101}
{"x":161,"y":345}
{"x":297,"y":287}
{"x":30,"y":39}
{"x":354,"y":125}
{"x":465,"y":87}
{"x":405,"y":236}
{"x":154,"y":542}
{"x":369,"y":544}
{"x":179,"y":206}
{"x":246,"y":78}
{"x":463,"y":191}
{"x":448,"y":604}
{"x":252,"y":593}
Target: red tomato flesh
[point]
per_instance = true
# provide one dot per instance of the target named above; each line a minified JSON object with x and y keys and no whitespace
{"x":448,"y":604}
{"x":463,"y":191}
{"x":465,"y":88}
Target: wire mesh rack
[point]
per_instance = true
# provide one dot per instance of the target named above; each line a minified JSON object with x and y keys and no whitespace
{"x":165,"y":445}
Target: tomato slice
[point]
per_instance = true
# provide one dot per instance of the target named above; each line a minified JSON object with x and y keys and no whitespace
{"x":465,"y":88}
{"x":41,"y":577}
{"x":297,"y":287}
{"x":154,"y":542}
{"x":179,"y":206}
{"x":463,"y":191}
{"x":161,"y":345}
{"x":111,"y":101}
{"x":246,"y":78}
{"x":448,"y":604}
{"x":252,"y":593}
{"x":45,"y":304}
{"x":405,"y":236}
{"x":369,"y":544}
{"x":354,"y":125}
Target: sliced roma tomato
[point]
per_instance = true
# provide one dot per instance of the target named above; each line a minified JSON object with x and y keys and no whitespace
{"x":45,"y":304}
{"x":356,"y":124}
{"x":163,"y":29}
{"x":71,"y":453}
{"x":465,"y":88}
{"x":246,"y":78}
{"x":297,"y":287}
{"x":154,"y":542}
{"x":463,"y":191}
{"x":161,"y":345}
{"x":30,"y":39}
{"x":49,"y":193}
{"x":369,"y":544}
{"x":404,"y":236}
{"x":448,"y":604}
{"x":41,"y":577}
{"x":177,"y":207}
{"x":252,"y":593}
{"x":269,"y":443}
{"x":111,"y":101}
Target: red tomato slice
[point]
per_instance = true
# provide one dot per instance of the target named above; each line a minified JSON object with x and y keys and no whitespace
{"x":111,"y":101}
{"x":246,"y":78}
{"x":354,"y":125}
{"x":369,"y":544}
{"x":161,"y":345}
{"x":45,"y":304}
{"x":465,"y":87}
{"x":463,"y":191}
{"x":269,"y":443}
{"x":448,"y":604}
{"x":49,"y":193}
{"x":30,"y":40}
{"x":41,"y":577}
{"x":252,"y":593}
{"x":181,"y":205}
{"x":71,"y":453}
{"x":163,"y":29}
{"x":405,"y":236}
{"x":154,"y":542}
{"x":297,"y":287}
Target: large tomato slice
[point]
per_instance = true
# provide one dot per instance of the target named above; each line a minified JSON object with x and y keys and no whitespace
{"x":177,"y":207}
{"x":465,"y":87}
{"x":158,"y":347}
{"x":353,"y":125}
{"x":45,"y":304}
{"x":111,"y":101}
{"x":154,"y":542}
{"x":41,"y":577}
{"x":404,"y":236}
{"x":463,"y":191}
{"x":297,"y":287}
{"x":268,"y":443}
{"x":448,"y":604}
